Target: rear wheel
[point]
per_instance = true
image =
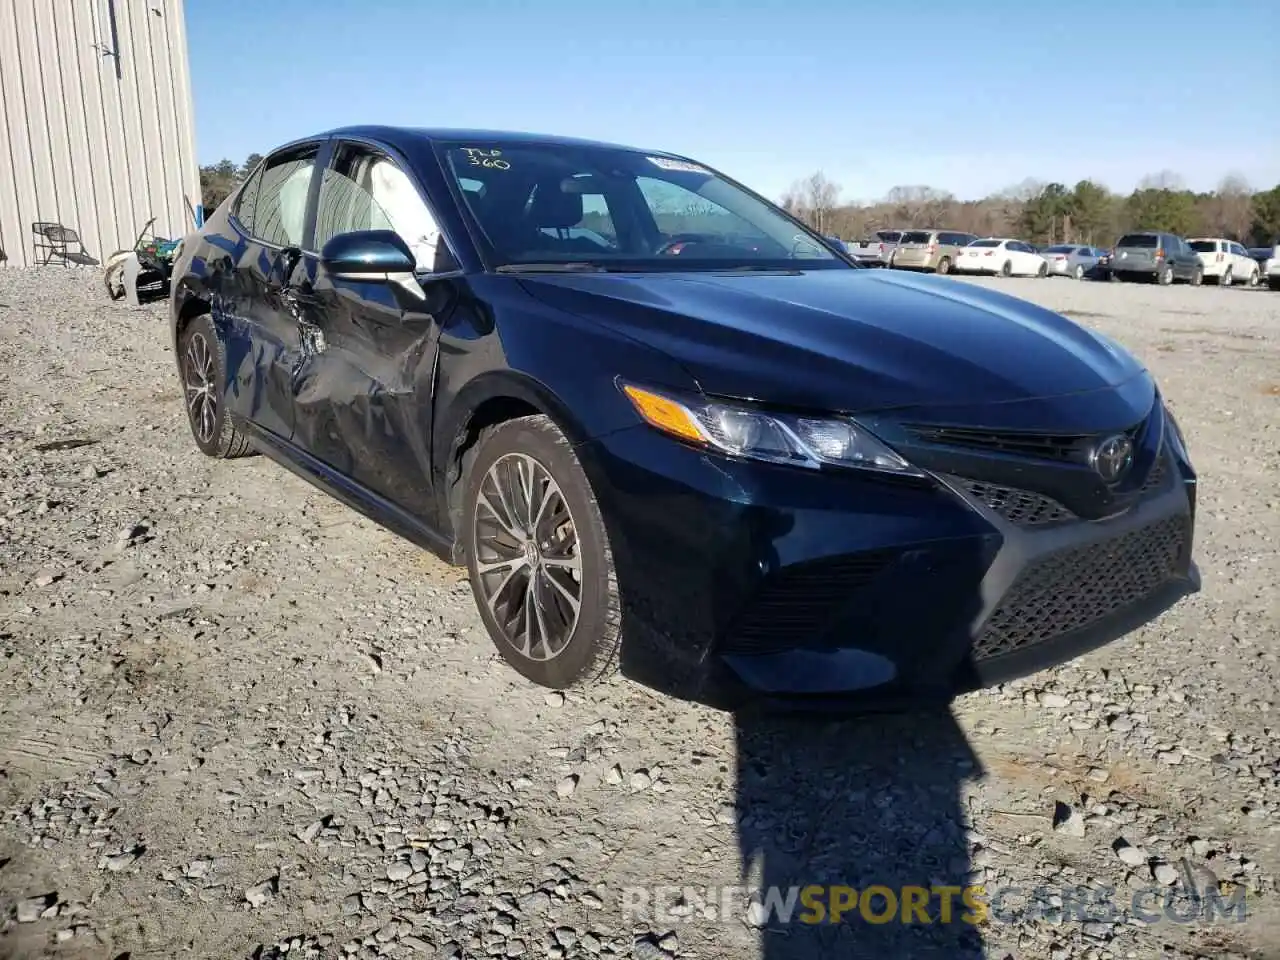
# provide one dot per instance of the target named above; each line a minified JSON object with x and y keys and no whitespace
{"x":1197,"y":277}
{"x":1165,"y":275}
{"x":204,"y":370}
{"x":1253,"y":278}
{"x":1043,"y":271}
{"x":1078,"y":272}
{"x":538,"y":555}
{"x":944,"y":265}
{"x":1006,"y":269}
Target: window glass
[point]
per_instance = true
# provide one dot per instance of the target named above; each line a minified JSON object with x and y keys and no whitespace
{"x":1141,"y":240}
{"x":247,"y":202}
{"x":282,"y":198}
{"x":1204,"y":246}
{"x":365,"y":190}
{"x":917,"y":236}
{"x":985,"y":243}
{"x":889,"y":236}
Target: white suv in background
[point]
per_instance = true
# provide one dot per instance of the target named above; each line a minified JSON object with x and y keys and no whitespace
{"x":1225,"y":261}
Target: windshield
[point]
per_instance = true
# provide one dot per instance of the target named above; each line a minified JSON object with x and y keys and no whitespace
{"x":1138,"y":240}
{"x":985,"y":243}
{"x":550,"y":205}
{"x":1204,"y":246}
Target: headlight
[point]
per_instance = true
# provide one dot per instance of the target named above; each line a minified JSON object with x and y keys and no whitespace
{"x":743,"y":431}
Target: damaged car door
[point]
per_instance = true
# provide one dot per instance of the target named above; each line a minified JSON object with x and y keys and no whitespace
{"x":363,"y":389}
{"x":253,"y":305}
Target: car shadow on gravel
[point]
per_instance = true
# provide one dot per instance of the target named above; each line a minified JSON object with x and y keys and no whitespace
{"x":845,"y":825}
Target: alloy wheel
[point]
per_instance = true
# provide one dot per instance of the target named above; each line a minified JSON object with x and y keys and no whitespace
{"x":202,"y":401}
{"x":527,"y":556}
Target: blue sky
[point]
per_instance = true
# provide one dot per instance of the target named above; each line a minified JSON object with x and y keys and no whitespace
{"x":971,"y":96}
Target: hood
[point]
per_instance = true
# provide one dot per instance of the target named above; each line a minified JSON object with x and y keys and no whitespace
{"x":847,"y":340}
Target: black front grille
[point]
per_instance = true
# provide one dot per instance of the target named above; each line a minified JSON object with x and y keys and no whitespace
{"x":1079,"y":586}
{"x":1069,"y":448}
{"x":1023,"y":508}
{"x":794,"y":607}
{"x":1155,"y":481}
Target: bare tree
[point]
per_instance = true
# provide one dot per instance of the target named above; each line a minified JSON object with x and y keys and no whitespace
{"x":1164,"y":180}
{"x":814,"y":198}
{"x":919,"y":206}
{"x":1233,"y":207}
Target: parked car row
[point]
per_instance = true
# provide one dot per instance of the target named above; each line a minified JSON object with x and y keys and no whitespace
{"x":1145,"y":254}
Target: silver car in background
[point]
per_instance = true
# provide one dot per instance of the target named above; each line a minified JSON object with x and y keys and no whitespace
{"x":1073,"y":260}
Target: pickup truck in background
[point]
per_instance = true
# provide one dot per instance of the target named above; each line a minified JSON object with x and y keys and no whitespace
{"x":876,"y":251}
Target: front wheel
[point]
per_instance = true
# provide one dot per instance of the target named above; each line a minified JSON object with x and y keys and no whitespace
{"x":1197,"y":277}
{"x":1043,"y":271}
{"x":1227,"y":279}
{"x":1253,"y":278}
{"x":1006,"y":269}
{"x":1078,"y":272}
{"x":944,"y":265}
{"x":203,"y":364}
{"x":538,"y":555}
{"x":1165,"y":276}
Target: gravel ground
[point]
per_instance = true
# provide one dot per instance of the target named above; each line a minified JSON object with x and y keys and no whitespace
{"x":239,"y":720}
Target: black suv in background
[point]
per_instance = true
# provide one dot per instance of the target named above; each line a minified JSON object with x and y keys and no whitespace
{"x":1163,"y":257}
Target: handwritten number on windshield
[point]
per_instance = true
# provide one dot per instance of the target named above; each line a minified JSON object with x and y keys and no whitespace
{"x":486,"y":158}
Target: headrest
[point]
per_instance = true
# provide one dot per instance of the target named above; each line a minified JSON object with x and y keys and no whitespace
{"x":553,"y":207}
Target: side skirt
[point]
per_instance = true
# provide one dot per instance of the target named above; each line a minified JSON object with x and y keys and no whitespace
{"x":347,"y":491}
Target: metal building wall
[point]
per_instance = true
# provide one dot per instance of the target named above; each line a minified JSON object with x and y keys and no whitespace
{"x":96,"y":126}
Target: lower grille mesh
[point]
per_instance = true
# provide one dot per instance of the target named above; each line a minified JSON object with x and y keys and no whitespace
{"x":1076,"y":587}
{"x":794,"y":607}
{"x":1022,"y":507}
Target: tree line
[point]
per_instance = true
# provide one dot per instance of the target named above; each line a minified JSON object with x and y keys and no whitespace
{"x":1050,"y":212}
{"x":1033,"y":210}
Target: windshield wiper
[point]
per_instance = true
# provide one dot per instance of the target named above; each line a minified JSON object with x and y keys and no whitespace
{"x":578,"y":266}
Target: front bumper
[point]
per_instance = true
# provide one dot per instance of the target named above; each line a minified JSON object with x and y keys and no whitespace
{"x":746,"y":581}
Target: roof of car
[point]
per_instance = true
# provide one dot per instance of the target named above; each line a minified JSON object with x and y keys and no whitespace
{"x":397,"y":136}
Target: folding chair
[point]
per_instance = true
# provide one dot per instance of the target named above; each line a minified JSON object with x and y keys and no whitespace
{"x":54,"y":240}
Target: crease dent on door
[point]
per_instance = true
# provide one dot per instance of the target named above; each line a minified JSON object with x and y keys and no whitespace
{"x":367,"y":413}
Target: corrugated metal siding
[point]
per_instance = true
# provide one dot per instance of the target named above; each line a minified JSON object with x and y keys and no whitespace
{"x":96,"y":127}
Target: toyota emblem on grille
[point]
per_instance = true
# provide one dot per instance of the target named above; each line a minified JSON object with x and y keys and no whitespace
{"x":1112,"y":458}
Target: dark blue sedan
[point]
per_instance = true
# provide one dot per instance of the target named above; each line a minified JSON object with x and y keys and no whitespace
{"x":668,"y":430}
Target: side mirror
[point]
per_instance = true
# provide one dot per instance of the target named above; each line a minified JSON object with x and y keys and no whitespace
{"x":368,"y":255}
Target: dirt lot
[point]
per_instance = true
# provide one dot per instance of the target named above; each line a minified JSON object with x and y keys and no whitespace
{"x":238,"y":720}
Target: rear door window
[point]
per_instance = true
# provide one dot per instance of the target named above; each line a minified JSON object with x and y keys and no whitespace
{"x":281,"y":213}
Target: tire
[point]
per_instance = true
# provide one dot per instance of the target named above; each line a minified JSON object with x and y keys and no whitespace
{"x":578,"y":647}
{"x":1226,"y":279}
{"x":1165,"y":276}
{"x":944,"y":265}
{"x":1253,"y":278}
{"x":1043,"y":271}
{"x":1006,"y":269}
{"x":203,"y":362}
{"x":1197,"y":278}
{"x":1078,"y":272}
